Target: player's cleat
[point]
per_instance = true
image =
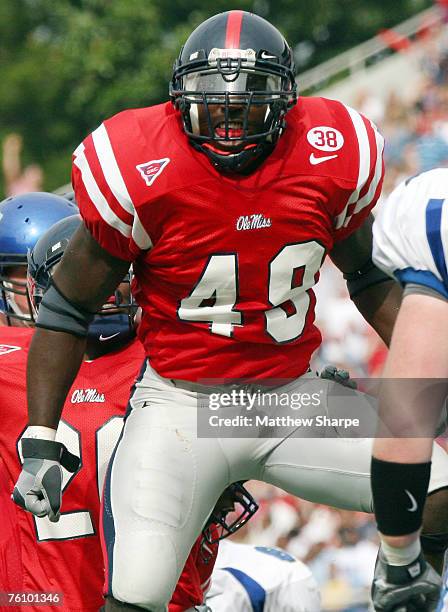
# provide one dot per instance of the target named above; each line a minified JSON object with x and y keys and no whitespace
{"x":39,"y":487}
{"x":410,"y":588}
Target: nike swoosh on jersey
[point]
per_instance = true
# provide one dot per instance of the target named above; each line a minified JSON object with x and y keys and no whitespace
{"x":104,"y":338}
{"x":8,"y":348}
{"x":318,"y":160}
{"x":414,"y":504}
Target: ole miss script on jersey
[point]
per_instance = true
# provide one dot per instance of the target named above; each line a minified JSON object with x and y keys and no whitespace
{"x":225,"y":264}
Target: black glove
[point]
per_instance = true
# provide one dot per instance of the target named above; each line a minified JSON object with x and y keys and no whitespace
{"x":39,"y":487}
{"x":409,"y":588}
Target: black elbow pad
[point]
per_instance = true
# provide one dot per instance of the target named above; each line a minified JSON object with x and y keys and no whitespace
{"x":57,"y":313}
{"x":365,"y":277}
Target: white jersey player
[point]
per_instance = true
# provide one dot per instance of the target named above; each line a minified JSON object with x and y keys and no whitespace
{"x":257,"y":578}
{"x":411,"y":234}
{"x":411,"y":244}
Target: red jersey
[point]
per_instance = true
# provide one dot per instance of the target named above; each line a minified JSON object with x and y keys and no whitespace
{"x":225,"y":264}
{"x":65,"y":556}
{"x":35,"y":554}
{"x":195,"y":579}
{"x":10,"y":549}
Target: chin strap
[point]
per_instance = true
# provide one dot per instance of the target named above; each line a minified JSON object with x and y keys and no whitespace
{"x":243,"y":161}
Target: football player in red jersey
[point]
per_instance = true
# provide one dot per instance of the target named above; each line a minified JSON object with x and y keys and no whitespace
{"x":227,"y":201}
{"x":64,"y":556}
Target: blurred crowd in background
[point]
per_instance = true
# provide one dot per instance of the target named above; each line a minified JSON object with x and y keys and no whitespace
{"x":340,"y":547}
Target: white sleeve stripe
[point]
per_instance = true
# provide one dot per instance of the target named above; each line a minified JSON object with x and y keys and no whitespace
{"x":79,"y":149}
{"x":140,"y":235}
{"x":115,"y":181}
{"x":110,"y":168}
{"x":364,"y":162}
{"x":368,"y":197}
{"x":364,"y":151}
{"x":96,"y":195}
{"x":204,"y":585}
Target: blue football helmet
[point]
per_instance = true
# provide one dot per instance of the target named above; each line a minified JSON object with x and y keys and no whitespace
{"x":69,"y":195}
{"x":23,"y":220}
{"x":113,"y":326}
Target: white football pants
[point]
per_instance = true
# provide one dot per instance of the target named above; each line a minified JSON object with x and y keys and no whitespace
{"x":163,"y":482}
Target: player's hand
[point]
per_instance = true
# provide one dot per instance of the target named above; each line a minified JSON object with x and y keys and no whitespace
{"x":39,"y":487}
{"x":331,"y":372}
{"x":412,"y":588}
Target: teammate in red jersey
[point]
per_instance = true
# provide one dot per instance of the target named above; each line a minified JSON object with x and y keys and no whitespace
{"x":65,"y":556}
{"x":226,"y":202}
{"x":37,"y":555}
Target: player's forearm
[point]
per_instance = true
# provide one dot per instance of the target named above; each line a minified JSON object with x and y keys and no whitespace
{"x":379,"y":305}
{"x":53,"y":362}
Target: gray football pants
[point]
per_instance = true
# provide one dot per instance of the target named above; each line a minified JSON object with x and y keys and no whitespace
{"x":163,"y":482}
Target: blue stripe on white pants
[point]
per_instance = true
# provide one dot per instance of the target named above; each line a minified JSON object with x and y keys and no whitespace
{"x":107,"y":520}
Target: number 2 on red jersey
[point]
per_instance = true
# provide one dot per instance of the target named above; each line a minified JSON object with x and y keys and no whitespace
{"x":79,"y":523}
